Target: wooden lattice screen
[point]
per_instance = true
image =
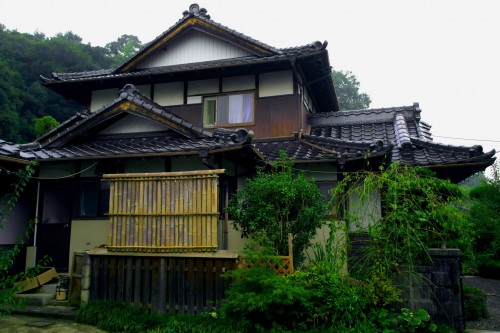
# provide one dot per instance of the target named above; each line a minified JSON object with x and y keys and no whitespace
{"x":163,"y":212}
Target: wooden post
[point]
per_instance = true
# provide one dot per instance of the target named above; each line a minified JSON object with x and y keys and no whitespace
{"x":290,"y":251}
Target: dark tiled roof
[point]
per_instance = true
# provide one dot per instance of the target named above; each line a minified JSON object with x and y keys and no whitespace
{"x":82,"y":122}
{"x":8,"y":149}
{"x":113,"y":74}
{"x":311,"y":60}
{"x":167,"y":143}
{"x":273,"y":54}
{"x":309,"y":148}
{"x":71,"y":139}
{"x":400,"y":126}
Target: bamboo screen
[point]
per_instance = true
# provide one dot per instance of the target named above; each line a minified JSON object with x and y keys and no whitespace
{"x":163,"y":212}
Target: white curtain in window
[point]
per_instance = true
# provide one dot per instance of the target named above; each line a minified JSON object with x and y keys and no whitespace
{"x":240,"y":108}
{"x":248,"y":108}
{"x":235,"y":109}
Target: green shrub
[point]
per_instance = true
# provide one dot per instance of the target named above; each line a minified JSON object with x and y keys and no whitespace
{"x":333,"y":300}
{"x":484,"y":214}
{"x":116,"y":317}
{"x":474,"y":304}
{"x":264,"y":299}
{"x":119,"y":317}
{"x":278,"y":203}
{"x":489,"y":268}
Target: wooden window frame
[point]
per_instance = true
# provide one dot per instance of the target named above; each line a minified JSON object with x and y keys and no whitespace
{"x":216,"y":123}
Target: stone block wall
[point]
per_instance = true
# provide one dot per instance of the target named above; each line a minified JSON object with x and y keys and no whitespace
{"x":436,"y":288}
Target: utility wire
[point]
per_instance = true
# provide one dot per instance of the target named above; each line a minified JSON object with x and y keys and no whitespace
{"x":450,"y":137}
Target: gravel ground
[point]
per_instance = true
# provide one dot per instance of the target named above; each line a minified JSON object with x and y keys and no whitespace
{"x":492,"y":289}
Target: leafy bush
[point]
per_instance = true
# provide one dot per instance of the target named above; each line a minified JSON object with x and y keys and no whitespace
{"x":390,"y":321}
{"x":333,"y":300}
{"x":474,"y":304}
{"x":263,"y":299}
{"x":484,"y":214}
{"x":120,"y":317}
{"x":274,"y":204}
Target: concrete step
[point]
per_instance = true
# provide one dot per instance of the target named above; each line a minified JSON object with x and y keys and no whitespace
{"x":46,"y":289}
{"x":37,"y":299}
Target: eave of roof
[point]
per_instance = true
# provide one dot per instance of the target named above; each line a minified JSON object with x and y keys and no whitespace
{"x":131,"y":101}
{"x":411,"y":138}
{"x":265,"y":56}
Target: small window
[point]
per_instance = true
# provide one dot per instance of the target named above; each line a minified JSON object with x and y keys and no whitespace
{"x":228,"y":109}
{"x":94,"y":198}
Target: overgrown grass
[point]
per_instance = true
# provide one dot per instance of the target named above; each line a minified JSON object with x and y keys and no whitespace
{"x":474,"y":304}
{"x":120,"y":317}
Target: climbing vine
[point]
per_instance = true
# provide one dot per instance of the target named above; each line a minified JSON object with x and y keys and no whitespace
{"x":413,"y":211}
{"x":9,"y":285}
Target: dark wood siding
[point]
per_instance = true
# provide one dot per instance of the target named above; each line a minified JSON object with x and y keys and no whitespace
{"x":274,"y":116}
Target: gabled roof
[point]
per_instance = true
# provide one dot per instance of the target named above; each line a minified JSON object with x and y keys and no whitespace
{"x":197,"y":18}
{"x":411,"y":138}
{"x":80,"y":138}
{"x":311,"y":61}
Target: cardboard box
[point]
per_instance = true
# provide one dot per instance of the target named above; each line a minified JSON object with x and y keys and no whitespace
{"x":27,"y":284}
{"x":47,"y":275}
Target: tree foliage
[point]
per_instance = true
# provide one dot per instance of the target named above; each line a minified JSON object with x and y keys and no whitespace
{"x":484,"y":214}
{"x":274,"y":204}
{"x":23,"y":58}
{"x":348,"y":94}
{"x":44,"y":125}
{"x":123,"y":48}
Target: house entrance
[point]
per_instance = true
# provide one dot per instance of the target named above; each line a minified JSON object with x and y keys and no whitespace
{"x":54,"y":229}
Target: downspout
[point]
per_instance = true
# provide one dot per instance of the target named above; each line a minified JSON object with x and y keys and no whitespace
{"x":36,"y":213}
{"x":300,"y":102}
{"x":31,"y":250}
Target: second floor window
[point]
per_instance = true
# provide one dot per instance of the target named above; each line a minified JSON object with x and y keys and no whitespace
{"x":228,"y":109}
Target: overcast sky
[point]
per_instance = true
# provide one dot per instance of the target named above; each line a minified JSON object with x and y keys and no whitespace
{"x":443,"y":54}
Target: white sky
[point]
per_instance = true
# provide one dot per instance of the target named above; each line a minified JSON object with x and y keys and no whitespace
{"x":443,"y":54}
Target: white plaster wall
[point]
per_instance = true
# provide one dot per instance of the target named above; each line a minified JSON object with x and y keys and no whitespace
{"x":171,"y":93}
{"x":276,"y":83}
{"x":14,"y":225}
{"x":102,"y":97}
{"x":145,"y":90}
{"x":56,"y":170}
{"x":133,"y":124}
{"x":201,"y":87}
{"x":144,"y":165}
{"x":189,"y":163}
{"x":366,"y":208}
{"x":194,"y":100}
{"x":238,"y":83}
{"x":86,"y":235}
{"x":320,"y":172}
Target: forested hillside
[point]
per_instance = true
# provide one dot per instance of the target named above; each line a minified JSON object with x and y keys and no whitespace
{"x":24,"y":57}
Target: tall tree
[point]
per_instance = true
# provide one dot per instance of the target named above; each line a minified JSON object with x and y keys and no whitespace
{"x":123,"y":48}
{"x":347,"y":89}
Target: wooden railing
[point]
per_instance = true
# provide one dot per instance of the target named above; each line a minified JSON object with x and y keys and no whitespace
{"x":163,"y":212}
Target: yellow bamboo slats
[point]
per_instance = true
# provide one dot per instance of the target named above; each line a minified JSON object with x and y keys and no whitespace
{"x":164,"y":212}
